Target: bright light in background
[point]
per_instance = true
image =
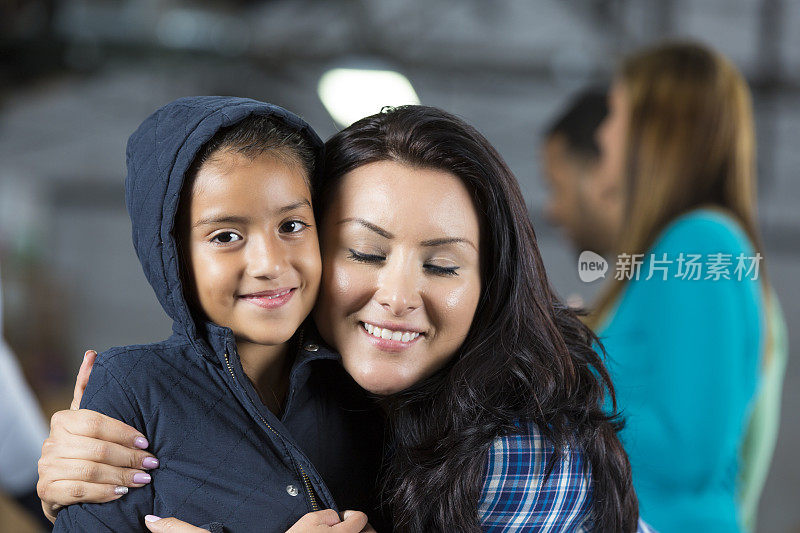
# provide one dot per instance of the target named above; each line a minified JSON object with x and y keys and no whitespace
{"x":350,"y":94}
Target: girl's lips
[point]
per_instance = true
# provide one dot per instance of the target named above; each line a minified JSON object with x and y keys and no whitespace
{"x":388,"y":345}
{"x":270,"y":299}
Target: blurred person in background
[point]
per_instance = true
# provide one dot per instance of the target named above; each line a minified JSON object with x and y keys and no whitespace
{"x":695,"y":349}
{"x":22,"y":431}
{"x":582,"y":201}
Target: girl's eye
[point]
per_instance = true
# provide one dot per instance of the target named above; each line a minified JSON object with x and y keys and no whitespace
{"x":440,"y":270}
{"x":292,"y":226}
{"x":365,"y":258}
{"x":226,"y":237}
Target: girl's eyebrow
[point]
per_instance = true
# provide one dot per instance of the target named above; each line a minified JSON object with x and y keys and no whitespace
{"x":291,"y":207}
{"x":233,"y":219}
{"x":229,"y":219}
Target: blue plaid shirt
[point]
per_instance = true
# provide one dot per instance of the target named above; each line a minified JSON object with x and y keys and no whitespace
{"x":516,"y":496}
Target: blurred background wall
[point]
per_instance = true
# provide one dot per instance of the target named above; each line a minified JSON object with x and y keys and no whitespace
{"x":78,"y":76}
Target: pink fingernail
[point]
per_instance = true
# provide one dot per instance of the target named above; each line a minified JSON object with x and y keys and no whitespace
{"x":140,"y":478}
{"x":141,"y":443}
{"x":150,"y":462}
{"x":152,"y":518}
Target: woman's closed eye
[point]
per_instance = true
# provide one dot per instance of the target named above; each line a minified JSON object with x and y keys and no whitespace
{"x":441,"y":270}
{"x":365,"y":258}
{"x":432,"y":268}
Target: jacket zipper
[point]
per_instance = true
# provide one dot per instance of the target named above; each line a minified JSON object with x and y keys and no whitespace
{"x":306,"y":481}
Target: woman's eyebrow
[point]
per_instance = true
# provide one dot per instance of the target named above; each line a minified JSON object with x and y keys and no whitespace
{"x":448,"y":240}
{"x":370,"y":226}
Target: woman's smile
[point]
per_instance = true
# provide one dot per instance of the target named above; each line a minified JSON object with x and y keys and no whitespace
{"x":391,"y":337}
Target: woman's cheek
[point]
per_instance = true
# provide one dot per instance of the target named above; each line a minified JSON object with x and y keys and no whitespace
{"x":460,"y":304}
{"x":455,"y":298}
{"x":341,"y":280}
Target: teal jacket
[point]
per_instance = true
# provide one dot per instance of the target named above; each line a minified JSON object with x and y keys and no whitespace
{"x":685,"y":355}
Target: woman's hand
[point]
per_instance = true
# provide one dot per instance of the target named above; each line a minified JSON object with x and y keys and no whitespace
{"x":328,"y":520}
{"x":89,"y":457}
{"x":316,"y":522}
{"x":170,"y":525}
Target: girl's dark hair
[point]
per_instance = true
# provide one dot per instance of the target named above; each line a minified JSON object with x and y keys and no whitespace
{"x":526,"y":358}
{"x":256,"y":135}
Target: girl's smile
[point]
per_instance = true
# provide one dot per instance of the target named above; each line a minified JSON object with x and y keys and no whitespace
{"x":270,"y":299}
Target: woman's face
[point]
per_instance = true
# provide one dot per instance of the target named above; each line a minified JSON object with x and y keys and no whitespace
{"x":401,"y":273}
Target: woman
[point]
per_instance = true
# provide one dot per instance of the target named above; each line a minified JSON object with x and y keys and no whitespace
{"x":683,"y":320}
{"x":435,"y":295}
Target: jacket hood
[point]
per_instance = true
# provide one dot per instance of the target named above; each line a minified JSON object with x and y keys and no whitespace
{"x":158,"y":155}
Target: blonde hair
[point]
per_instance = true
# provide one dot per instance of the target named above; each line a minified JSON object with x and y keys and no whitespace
{"x":690,"y":144}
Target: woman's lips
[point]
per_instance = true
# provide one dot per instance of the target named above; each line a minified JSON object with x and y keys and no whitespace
{"x":390,"y":340}
{"x":269,"y":299}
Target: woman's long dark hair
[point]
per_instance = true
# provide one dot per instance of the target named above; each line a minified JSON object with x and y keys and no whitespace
{"x":526,"y":357}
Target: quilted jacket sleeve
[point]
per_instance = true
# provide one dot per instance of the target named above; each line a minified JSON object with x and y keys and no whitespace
{"x":107,"y":394}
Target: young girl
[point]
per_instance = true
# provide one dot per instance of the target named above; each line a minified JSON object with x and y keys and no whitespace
{"x":246,"y":417}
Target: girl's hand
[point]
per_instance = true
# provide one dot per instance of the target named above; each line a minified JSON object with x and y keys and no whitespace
{"x":328,"y":521}
{"x":317,"y":522}
{"x":89,"y":457}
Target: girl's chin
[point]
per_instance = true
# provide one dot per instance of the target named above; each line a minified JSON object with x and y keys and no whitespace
{"x":273,"y":339}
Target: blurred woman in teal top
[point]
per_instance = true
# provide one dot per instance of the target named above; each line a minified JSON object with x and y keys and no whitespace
{"x":683,"y":320}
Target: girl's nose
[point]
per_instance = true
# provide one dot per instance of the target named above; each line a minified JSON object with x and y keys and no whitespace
{"x":266,"y":257}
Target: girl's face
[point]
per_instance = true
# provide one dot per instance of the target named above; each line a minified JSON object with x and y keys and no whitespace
{"x":252,"y":246}
{"x":401,"y":273}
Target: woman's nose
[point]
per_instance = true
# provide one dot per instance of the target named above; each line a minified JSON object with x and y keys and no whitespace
{"x":398,"y":291}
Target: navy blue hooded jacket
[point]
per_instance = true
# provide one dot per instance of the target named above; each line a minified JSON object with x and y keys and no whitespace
{"x":224,"y":457}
